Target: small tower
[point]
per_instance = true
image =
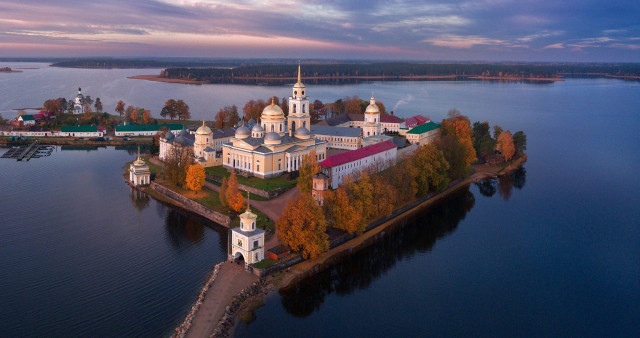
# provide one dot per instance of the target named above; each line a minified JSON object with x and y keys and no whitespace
{"x":247,"y":241}
{"x":320,"y":184}
{"x":372,"y":125}
{"x":139,"y":173}
{"x":78,"y":107}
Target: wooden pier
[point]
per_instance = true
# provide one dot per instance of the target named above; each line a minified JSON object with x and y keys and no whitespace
{"x":23,"y":152}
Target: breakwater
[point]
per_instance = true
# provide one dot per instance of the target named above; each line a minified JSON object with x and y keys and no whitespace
{"x":193,"y":205}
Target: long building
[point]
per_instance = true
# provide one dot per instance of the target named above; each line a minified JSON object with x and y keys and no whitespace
{"x":145,"y":129}
{"x":376,"y":157}
{"x":339,"y":137}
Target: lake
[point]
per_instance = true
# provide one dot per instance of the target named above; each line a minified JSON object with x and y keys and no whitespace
{"x":553,"y":250}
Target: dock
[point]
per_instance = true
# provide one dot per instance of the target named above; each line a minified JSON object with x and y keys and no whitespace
{"x":33,"y":150}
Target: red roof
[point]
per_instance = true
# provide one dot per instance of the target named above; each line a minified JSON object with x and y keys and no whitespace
{"x":390,"y":119}
{"x":354,"y":155}
{"x":38,"y":116}
{"x":415,"y":121}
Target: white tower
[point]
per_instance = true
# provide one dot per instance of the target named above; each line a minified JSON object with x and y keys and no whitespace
{"x":139,"y":173}
{"x":78,"y":108}
{"x":204,"y":139}
{"x":372,"y":125}
{"x":298,"y":107}
{"x":247,"y":241}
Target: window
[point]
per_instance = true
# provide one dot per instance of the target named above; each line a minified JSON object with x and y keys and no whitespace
{"x":258,"y":167}
{"x":239,"y":242}
{"x":255,"y":245}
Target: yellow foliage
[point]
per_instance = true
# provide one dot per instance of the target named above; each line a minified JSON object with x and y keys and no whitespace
{"x":195,"y":177}
{"x":308,"y":168}
{"x":303,"y":228}
{"x":340,"y":212}
{"x":505,"y":145}
{"x":232,"y":195}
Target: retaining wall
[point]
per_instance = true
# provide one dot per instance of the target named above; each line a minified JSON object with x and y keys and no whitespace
{"x":196,"y":207}
{"x":266,"y":194}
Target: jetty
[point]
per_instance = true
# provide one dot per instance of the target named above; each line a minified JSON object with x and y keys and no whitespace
{"x":27,"y":152}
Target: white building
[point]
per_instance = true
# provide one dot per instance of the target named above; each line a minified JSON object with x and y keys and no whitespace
{"x":81,"y":131}
{"x":338,"y":137}
{"x":424,"y":133}
{"x":78,"y":107}
{"x":372,"y":125}
{"x":376,"y":157}
{"x":247,"y":241}
{"x":139,"y":173}
{"x":145,"y":129}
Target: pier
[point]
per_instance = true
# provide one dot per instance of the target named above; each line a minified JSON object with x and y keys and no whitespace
{"x":28,"y":152}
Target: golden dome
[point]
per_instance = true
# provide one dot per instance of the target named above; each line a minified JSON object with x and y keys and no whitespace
{"x":272,"y":111}
{"x":203,"y":130}
{"x":372,"y":108}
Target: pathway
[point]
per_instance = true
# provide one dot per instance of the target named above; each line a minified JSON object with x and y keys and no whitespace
{"x":231,"y":280}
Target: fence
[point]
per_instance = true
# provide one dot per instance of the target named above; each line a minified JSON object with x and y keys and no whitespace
{"x":193,"y":205}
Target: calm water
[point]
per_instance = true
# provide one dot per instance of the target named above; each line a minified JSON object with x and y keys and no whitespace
{"x":554,"y":251}
{"x":81,"y":254}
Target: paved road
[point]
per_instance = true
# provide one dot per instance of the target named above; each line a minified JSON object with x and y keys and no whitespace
{"x":231,"y":279}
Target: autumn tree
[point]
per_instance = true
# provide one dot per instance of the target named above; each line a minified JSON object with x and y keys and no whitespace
{"x":381,"y":107}
{"x":339,"y":212}
{"x":337,"y":107}
{"x":454,"y":153}
{"x":221,"y":117}
{"x":352,"y":105}
{"x":134,"y":115}
{"x":70,"y":106}
{"x":308,"y":168}
{"x":87,"y":101}
{"x":128,"y":112}
{"x":120,"y":107}
{"x":360,"y":192}
{"x":195,"y":177}
{"x":98,"y":105}
{"x":460,"y":128}
{"x":170,"y":109}
{"x":432,"y":166}
{"x":50,"y":105}
{"x":520,"y":142}
{"x":505,"y":145}
{"x":62,"y":106}
{"x":146,"y":116}
{"x":383,"y":196}
{"x":284,"y":105}
{"x":453,"y":113}
{"x":302,"y":227}
{"x":232,"y":195}
{"x":227,"y":117}
{"x":317,"y":111}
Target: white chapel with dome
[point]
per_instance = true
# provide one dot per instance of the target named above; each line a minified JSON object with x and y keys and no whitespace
{"x":247,"y":241}
{"x":276,"y":144}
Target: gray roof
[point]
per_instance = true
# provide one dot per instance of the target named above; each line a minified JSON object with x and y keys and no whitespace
{"x":222,"y":133}
{"x":400,"y":142}
{"x":337,"y":119}
{"x":335,"y":131}
{"x":255,"y":232}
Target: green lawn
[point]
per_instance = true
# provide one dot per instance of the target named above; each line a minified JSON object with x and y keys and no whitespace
{"x":212,"y":201}
{"x":254,"y":197}
{"x":265,"y":263}
{"x":267,"y":184}
{"x":152,"y":167}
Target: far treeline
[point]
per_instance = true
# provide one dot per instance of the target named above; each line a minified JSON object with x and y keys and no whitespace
{"x":399,"y":69}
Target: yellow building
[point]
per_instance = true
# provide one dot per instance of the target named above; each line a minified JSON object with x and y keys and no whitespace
{"x":276,"y":144}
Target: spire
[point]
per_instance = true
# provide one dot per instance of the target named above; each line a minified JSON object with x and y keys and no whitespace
{"x":272,"y":102}
{"x":203,"y":123}
{"x":248,"y":201}
{"x":299,"y":79}
{"x":138,"y":153}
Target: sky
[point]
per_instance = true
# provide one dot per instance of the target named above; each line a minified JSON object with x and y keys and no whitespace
{"x":471,"y":30}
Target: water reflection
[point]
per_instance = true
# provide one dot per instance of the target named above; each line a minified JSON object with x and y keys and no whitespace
{"x":505,"y":184}
{"x":183,"y":229}
{"x":139,"y":199}
{"x":359,"y":270}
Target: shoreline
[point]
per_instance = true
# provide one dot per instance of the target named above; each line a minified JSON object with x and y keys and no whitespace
{"x":288,"y":278}
{"x":159,"y":78}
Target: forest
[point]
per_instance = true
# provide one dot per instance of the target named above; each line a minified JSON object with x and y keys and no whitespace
{"x":400,"y":70}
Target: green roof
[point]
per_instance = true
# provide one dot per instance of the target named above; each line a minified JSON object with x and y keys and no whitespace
{"x":148,"y":127}
{"x":79,"y":129}
{"x":423,"y":128}
{"x":28,"y":118}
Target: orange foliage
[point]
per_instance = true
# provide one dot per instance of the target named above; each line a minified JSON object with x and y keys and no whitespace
{"x":308,"y":168}
{"x":505,"y":145}
{"x":460,"y":127}
{"x":233,"y":196}
{"x":195,"y":177}
{"x":303,"y":228}
{"x":384,"y":196}
{"x":340,"y":212}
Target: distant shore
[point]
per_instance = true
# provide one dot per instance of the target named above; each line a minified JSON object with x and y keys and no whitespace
{"x":160,"y":78}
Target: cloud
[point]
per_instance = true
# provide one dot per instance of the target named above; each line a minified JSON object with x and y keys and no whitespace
{"x":554,"y":46}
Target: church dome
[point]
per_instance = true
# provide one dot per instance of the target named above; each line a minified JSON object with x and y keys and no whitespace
{"x":272,"y":111}
{"x":203,"y":130}
{"x":257,"y":128}
{"x":272,"y":138}
{"x":184,"y":133}
{"x":302,"y":132}
{"x":243,"y":132}
{"x":372,"y":108}
{"x":169,"y":135}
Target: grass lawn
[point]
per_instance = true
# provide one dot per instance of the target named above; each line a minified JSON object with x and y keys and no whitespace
{"x":253,"y":196}
{"x":267,"y":184}
{"x":152,"y":167}
{"x":265,"y":263}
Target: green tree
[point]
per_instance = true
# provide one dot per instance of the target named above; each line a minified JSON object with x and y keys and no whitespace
{"x":496,"y":131}
{"x":170,"y":109}
{"x":176,"y":164}
{"x":432,"y":169}
{"x":520,"y":143}
{"x":98,"y":105}
{"x":482,"y":141}
{"x":454,"y":154}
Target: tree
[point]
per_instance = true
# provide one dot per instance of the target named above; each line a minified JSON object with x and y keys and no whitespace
{"x":453,"y":113}
{"x":87,"y":102}
{"x":520,"y":142}
{"x":232,"y":195}
{"x":70,"y":106}
{"x":454,"y":153}
{"x":133,"y":114}
{"x":170,"y":109}
{"x":460,"y":128}
{"x":98,"y":105}
{"x":317,"y":111}
{"x":302,"y":227}
{"x":221,"y":118}
{"x":360,"y":191}
{"x":381,"y":107}
{"x":223,"y":192}
{"x":432,"y":169}
{"x":338,"y":107}
{"x":120,"y":107}
{"x":232,"y":115}
{"x":496,"y":131}
{"x":482,"y":141}
{"x":50,"y":105}
{"x":62,"y":106}
{"x":176,"y":164}
{"x":505,"y":145}
{"x":339,"y":212}
{"x":308,"y":168}
{"x":195,"y":177}
{"x":182,"y":109}
{"x":352,"y":105}
{"x":146,"y":116}
{"x":384,"y":196}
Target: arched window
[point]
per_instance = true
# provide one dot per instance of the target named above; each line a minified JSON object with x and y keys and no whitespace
{"x":294,"y":108}
{"x":272,"y":127}
{"x":293,"y":126}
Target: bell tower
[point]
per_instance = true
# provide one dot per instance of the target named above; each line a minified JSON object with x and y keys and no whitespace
{"x":298,"y":106}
